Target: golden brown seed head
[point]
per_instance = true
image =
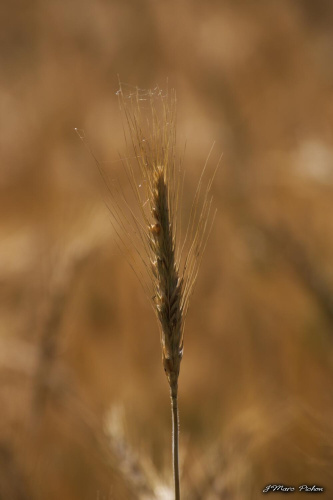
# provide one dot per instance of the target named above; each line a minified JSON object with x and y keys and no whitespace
{"x":172,"y":271}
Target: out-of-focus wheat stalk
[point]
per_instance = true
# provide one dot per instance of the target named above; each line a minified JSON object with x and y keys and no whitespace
{"x":152,"y":226}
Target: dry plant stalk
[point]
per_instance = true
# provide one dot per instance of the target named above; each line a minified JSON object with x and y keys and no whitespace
{"x":154,"y":229}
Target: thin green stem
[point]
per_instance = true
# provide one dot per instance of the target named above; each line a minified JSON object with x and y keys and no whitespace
{"x":175,"y":441}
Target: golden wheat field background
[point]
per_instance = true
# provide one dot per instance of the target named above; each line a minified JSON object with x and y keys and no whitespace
{"x":84,"y":401}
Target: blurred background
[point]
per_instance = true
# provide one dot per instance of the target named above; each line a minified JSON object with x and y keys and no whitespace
{"x":84,"y":400}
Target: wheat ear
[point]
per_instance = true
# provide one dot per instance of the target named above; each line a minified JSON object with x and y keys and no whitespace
{"x":154,"y":229}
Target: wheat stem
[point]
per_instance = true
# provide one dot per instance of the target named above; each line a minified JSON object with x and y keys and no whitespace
{"x":175,"y":442}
